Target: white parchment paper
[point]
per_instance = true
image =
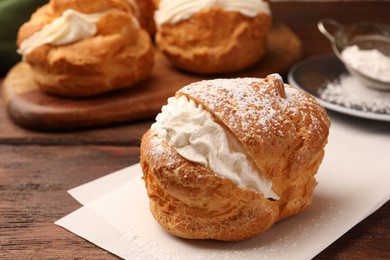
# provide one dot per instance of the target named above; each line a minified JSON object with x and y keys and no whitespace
{"x":353,"y":182}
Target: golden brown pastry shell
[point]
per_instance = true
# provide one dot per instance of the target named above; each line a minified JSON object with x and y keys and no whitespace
{"x":190,"y":201}
{"x":215,"y":41}
{"x":145,"y":14}
{"x":118,"y":56}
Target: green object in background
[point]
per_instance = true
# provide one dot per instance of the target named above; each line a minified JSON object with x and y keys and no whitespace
{"x":13,"y":13}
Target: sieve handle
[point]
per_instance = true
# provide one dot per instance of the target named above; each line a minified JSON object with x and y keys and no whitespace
{"x":329,"y":27}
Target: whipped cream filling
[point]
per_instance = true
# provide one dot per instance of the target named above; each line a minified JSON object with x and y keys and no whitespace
{"x":194,"y":134}
{"x":71,"y":26}
{"x":174,"y":11}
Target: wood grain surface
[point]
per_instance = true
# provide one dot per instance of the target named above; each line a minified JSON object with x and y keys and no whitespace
{"x":37,"y":167}
{"x":34,"y":180}
{"x":30,"y":107}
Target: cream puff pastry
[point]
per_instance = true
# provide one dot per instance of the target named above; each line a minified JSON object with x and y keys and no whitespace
{"x":212,"y":37}
{"x":83,"y":48}
{"x":144,"y":10}
{"x":227,"y":158}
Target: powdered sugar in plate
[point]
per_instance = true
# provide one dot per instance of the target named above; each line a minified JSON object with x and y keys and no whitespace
{"x":351,"y":93}
{"x":326,"y":78}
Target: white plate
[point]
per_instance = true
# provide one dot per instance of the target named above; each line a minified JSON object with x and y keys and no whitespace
{"x":310,"y":75}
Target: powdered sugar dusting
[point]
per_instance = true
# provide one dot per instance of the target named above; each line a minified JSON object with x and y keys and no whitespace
{"x":253,"y":106}
{"x":237,"y":101}
{"x":158,"y":151}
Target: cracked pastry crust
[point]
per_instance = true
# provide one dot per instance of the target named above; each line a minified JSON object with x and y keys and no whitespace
{"x":215,"y":41}
{"x":284,"y":131}
{"x":118,"y":56}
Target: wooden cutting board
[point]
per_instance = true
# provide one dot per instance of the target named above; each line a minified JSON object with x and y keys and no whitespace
{"x":31,"y":108}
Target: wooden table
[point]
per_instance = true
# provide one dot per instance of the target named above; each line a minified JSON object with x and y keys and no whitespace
{"x":36,"y":168}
